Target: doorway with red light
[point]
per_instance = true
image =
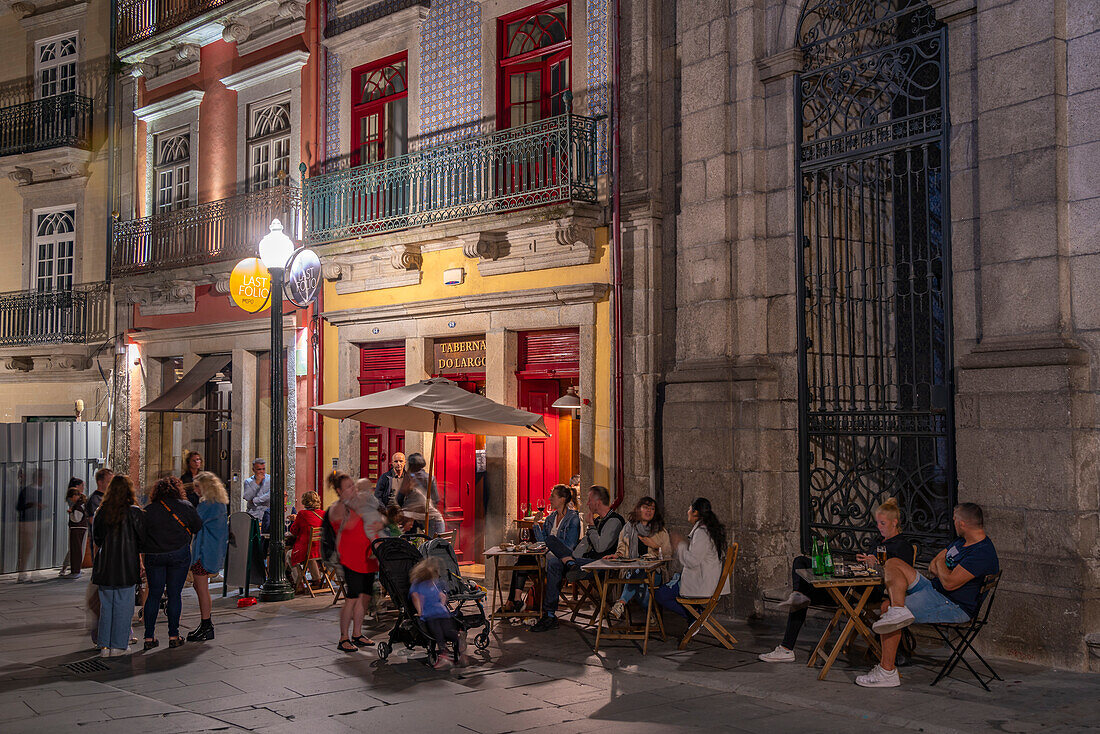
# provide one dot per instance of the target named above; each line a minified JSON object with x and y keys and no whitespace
{"x":548,"y":366}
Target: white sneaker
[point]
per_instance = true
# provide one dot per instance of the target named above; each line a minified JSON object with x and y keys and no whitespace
{"x":879,"y":678}
{"x":618,"y":609}
{"x":895,"y":619}
{"x":779,"y":655}
{"x":104,"y":652}
{"x":797,"y":600}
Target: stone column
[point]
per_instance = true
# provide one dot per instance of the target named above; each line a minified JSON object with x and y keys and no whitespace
{"x":501,"y":353}
{"x":1025,"y":293}
{"x":245,"y":390}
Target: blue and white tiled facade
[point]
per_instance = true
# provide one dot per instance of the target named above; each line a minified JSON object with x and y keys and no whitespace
{"x":450,"y":71}
{"x":598,"y":76}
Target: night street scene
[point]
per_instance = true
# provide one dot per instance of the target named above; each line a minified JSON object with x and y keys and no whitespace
{"x":488,"y":366}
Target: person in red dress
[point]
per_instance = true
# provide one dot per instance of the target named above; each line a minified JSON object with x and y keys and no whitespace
{"x":297,"y":537}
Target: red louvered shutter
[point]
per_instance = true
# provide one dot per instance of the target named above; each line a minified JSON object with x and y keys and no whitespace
{"x":549,"y":354}
{"x":381,"y":367}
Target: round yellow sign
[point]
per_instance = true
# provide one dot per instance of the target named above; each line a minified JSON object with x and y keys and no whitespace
{"x":250,"y":285}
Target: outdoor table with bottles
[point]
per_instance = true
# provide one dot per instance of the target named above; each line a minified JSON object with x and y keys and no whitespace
{"x":850,"y":586}
{"x":525,"y":546}
{"x":613,"y":572}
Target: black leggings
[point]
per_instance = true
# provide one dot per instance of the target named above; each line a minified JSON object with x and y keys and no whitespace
{"x":519,"y":578}
{"x":818,"y":597}
{"x":444,"y":630}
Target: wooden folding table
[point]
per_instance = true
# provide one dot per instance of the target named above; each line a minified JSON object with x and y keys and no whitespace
{"x":851,"y":595}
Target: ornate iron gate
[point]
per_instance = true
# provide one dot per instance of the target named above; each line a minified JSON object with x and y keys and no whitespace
{"x":875,"y":364}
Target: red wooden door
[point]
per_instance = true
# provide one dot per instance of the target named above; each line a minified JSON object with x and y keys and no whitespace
{"x":455,"y":465}
{"x":538,"y":457}
{"x":378,"y":444}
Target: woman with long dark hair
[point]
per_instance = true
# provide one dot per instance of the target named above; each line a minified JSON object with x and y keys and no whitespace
{"x":118,"y":529}
{"x":701,"y":554}
{"x":170,"y":524}
{"x":643,"y":534}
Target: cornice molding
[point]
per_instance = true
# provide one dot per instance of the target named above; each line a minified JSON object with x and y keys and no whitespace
{"x":266,"y":71}
{"x":181,"y":102}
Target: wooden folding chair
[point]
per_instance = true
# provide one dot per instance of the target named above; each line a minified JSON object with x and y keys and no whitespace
{"x":584,"y":592}
{"x":329,"y":588}
{"x":705,"y":617}
{"x":335,"y":578}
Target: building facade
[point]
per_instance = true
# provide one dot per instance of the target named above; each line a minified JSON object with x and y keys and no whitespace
{"x":218,"y":108}
{"x":461,"y":212}
{"x":864,"y":268}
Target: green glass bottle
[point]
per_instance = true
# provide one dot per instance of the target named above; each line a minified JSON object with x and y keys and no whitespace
{"x":815,"y":557}
{"x":826,"y":560}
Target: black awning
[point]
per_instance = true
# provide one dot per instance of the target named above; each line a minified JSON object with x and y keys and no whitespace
{"x":194,"y":380}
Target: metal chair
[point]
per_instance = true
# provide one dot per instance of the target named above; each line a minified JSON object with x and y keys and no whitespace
{"x":705,"y":617}
{"x":960,"y":637}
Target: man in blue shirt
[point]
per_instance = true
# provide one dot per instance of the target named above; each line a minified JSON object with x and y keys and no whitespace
{"x":257,"y":494}
{"x":951,"y":596}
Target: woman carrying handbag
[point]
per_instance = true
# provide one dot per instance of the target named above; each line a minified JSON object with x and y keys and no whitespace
{"x":170,"y":524}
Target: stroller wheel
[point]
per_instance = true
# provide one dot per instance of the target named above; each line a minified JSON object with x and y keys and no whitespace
{"x":384,"y":649}
{"x":433,"y":656}
{"x":482,"y":641}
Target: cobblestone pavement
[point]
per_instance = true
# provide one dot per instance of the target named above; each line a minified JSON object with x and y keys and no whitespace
{"x":274,"y":668}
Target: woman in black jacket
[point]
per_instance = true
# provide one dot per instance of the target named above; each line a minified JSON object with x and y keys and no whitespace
{"x":118,"y":529}
{"x":170,"y":524}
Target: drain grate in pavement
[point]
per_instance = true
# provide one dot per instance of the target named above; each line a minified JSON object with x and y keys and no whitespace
{"x":88,"y":666}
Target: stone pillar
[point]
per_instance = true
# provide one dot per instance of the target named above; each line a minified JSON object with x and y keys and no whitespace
{"x":501,"y":353}
{"x":1025,"y":292}
{"x":245,"y":367}
{"x":418,"y":358}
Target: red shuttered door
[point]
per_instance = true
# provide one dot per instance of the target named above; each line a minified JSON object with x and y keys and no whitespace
{"x":455,"y":468}
{"x":538,"y":457}
{"x":382,"y":366}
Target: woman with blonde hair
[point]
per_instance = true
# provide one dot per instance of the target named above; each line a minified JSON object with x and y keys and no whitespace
{"x":888,"y":522}
{"x":208,"y":547}
{"x":297,"y":537}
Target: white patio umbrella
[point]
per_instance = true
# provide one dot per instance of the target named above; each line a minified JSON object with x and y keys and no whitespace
{"x":440,"y":406}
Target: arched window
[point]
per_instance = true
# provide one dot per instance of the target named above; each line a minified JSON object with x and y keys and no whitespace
{"x":54,"y":243}
{"x":535,"y":52}
{"x":268,"y":142}
{"x":379,"y":111}
{"x":875,"y":399}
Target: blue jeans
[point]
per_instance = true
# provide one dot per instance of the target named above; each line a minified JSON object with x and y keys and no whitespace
{"x":166,"y":570}
{"x":116,"y":609}
{"x":930,"y":606}
{"x":555,"y":573}
{"x":637,"y":590}
{"x":666,"y":597}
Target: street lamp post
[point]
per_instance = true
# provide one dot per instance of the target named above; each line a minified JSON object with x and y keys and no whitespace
{"x":275,"y":249}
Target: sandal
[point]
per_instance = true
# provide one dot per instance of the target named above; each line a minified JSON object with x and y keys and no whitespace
{"x":361,"y":641}
{"x":150,"y":644}
{"x":347,"y":646}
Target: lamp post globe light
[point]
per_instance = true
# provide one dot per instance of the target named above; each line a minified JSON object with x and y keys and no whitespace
{"x":275,"y":250}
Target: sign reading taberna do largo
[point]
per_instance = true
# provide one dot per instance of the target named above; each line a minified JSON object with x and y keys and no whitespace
{"x":303,"y":277}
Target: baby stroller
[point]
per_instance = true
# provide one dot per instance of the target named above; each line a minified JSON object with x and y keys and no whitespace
{"x":396,"y":558}
{"x":468,"y":598}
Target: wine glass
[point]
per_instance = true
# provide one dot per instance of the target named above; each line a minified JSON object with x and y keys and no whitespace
{"x":542,"y":506}
{"x":525,"y":535}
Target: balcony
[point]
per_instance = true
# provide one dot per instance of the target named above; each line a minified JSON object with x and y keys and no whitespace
{"x":546,"y":162}
{"x":63,"y":121}
{"x":226,"y":229}
{"x":77,"y":316}
{"x":141,"y":20}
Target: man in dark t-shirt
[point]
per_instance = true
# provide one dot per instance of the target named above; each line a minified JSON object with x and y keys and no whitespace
{"x":951,"y":596}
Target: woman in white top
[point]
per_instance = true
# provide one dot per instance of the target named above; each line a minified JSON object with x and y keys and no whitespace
{"x":701,"y":554}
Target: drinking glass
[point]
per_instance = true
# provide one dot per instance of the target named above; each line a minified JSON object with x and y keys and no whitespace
{"x":525,"y":535}
{"x":880,"y":555}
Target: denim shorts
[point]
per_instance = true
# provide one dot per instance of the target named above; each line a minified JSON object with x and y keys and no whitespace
{"x":930,"y":606}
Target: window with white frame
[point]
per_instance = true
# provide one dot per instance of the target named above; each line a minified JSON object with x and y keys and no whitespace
{"x":268,"y":142}
{"x":55,"y":66}
{"x":54,"y":244}
{"x":172,"y":171}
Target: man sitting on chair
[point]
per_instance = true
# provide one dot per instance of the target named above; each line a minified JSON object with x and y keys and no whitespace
{"x":951,"y":597}
{"x":600,"y":540}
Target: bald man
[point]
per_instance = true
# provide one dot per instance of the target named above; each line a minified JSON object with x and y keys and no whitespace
{"x":388,"y":483}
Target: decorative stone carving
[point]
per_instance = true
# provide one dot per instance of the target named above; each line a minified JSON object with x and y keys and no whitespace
{"x":61,"y":363}
{"x":571,"y":234}
{"x":188,"y":52}
{"x":332,"y":271}
{"x":485,"y":245}
{"x":169,"y":297}
{"x":235,"y":31}
{"x":221,"y":285}
{"x":19,"y":364}
{"x":292,"y":9}
{"x":142,"y":69}
{"x":24,"y":8}
{"x":406,"y":257}
{"x":21,"y":176}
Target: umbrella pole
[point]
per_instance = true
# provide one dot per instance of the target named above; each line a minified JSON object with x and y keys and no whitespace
{"x":431,"y":471}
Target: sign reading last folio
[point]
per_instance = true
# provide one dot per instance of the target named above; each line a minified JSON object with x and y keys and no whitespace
{"x":461,"y":354}
{"x":250,"y":285}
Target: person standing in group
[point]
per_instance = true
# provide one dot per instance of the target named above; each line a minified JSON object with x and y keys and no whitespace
{"x":192,"y":465}
{"x":388,"y":484}
{"x":411,"y":499}
{"x":415,"y":467}
{"x":31,"y":509}
{"x":170,"y":523}
{"x":297,"y":537}
{"x":257,"y":494}
{"x":701,"y":554}
{"x":118,"y":529}
{"x":208,"y":548}
{"x":103,"y":477}
{"x":352,"y":546}
{"x":78,"y":527}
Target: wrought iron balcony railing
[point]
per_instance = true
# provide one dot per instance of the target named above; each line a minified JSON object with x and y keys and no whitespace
{"x":546,"y":162}
{"x":77,"y":316}
{"x":139,"y":20}
{"x":209,"y":232}
{"x":64,"y":120}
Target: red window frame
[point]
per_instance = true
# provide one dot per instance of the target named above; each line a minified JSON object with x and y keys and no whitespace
{"x":542,"y":60}
{"x":361,"y":110}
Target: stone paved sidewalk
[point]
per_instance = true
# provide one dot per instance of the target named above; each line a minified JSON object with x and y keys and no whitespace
{"x":274,"y":668}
